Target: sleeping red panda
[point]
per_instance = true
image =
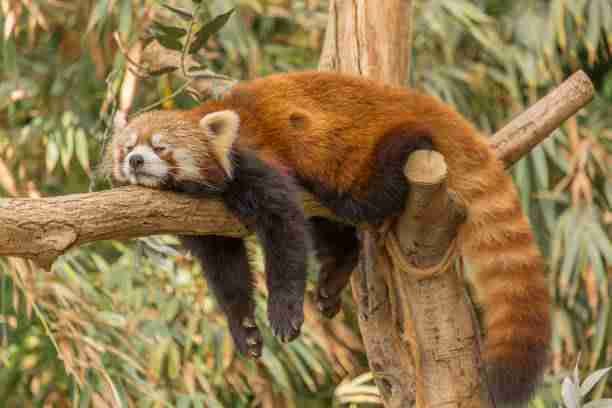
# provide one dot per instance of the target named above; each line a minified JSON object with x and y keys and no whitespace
{"x":345,"y":139}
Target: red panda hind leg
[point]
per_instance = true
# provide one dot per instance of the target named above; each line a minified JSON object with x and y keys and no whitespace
{"x":337,"y":249}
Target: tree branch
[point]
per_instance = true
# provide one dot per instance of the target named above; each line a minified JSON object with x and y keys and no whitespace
{"x":534,"y":125}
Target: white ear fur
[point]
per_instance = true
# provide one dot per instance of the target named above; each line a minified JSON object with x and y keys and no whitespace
{"x":119,"y":121}
{"x":222,"y":129}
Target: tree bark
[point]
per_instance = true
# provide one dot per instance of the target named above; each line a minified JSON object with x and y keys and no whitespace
{"x":534,"y":125}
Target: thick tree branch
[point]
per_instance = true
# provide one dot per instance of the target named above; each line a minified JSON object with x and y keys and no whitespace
{"x":42,"y":229}
{"x":534,"y":125}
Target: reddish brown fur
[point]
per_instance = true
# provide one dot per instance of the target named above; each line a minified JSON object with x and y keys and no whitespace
{"x":326,"y":128}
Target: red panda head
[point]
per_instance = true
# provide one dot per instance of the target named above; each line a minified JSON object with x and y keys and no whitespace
{"x":161,"y":148}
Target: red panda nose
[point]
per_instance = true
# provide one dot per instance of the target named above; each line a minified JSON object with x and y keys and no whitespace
{"x":136,"y":161}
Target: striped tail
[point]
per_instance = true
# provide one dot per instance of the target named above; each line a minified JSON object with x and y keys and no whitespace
{"x":509,"y":279}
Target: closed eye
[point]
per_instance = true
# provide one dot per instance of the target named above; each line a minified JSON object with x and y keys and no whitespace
{"x":159,"y":149}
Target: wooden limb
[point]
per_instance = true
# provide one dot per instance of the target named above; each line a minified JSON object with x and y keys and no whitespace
{"x":356,"y":44}
{"x":431,"y":301}
{"x":42,"y":229}
{"x":534,"y":125}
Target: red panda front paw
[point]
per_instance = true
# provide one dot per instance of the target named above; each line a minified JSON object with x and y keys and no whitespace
{"x":247,"y":337}
{"x":286,"y":316}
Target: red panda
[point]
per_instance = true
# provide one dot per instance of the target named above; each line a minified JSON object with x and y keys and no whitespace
{"x":345,"y":139}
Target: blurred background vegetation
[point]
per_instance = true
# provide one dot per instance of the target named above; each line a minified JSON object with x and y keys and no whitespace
{"x":133,"y":324}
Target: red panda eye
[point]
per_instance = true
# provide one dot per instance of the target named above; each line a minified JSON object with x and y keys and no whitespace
{"x":159,"y":149}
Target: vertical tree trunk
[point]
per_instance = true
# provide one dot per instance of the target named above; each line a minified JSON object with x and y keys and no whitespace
{"x":415,"y":318}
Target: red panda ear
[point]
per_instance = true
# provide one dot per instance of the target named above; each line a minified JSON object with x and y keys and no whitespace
{"x":222,"y":130}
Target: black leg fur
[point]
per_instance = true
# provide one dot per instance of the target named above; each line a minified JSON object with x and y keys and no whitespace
{"x":226,"y":268}
{"x":337,"y":249}
{"x":267,"y":200}
{"x":387,"y":188}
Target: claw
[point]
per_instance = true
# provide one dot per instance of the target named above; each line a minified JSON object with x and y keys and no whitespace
{"x":296,"y":325}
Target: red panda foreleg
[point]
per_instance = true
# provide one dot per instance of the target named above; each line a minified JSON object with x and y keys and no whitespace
{"x":267,"y":200}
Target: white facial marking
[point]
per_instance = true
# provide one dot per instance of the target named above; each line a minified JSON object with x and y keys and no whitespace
{"x":156,"y":139}
{"x":186,"y":165}
{"x":130,"y":139}
{"x":152,"y":171}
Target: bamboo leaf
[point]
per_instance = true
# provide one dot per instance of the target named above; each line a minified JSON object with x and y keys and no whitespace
{"x":570,"y":393}
{"x":52,"y":156}
{"x":602,"y":240}
{"x":67,"y":148}
{"x":601,"y":403}
{"x":185,"y":15}
{"x":174,"y":32}
{"x":169,"y":42}
{"x":125,"y":17}
{"x":209,"y":29}
{"x":592,"y":380}
{"x":600,"y":338}
{"x":540,"y":166}
{"x":98,"y":14}
{"x":82,"y":149}
{"x":174,"y":361}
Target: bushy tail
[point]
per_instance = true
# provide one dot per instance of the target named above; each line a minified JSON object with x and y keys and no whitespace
{"x":509,"y":279}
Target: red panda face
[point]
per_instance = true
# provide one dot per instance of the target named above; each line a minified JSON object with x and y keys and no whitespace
{"x":162,"y":148}
{"x":143,"y":162}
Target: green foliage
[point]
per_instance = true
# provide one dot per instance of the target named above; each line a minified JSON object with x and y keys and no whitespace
{"x":134,"y":323}
{"x":574,"y":392}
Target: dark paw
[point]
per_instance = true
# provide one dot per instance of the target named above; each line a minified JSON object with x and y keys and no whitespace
{"x":286,"y":315}
{"x":329,"y":290}
{"x":247,"y":337}
{"x":328,"y":304}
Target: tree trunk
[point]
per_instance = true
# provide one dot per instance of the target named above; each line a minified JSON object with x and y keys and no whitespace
{"x":427,"y":352}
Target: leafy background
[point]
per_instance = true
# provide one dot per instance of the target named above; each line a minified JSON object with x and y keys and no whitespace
{"x":133,"y":323}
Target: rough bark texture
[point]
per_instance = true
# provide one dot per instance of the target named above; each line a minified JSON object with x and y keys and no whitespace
{"x":42,"y":229}
{"x":356,"y":42}
{"x":531,"y":127}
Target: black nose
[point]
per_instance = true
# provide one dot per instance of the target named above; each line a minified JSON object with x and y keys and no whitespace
{"x":136,"y":161}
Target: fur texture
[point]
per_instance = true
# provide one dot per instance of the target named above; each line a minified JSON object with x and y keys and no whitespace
{"x":346,"y":139}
